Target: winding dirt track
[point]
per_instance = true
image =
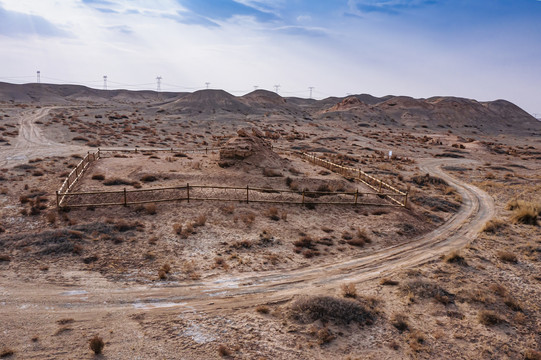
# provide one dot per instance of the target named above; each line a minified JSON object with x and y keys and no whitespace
{"x":31,"y":142}
{"x":90,"y":293}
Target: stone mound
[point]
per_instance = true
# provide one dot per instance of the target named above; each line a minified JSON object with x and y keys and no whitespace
{"x":250,"y":148}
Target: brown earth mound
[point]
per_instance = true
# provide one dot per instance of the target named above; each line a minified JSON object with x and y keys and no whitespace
{"x":250,"y":148}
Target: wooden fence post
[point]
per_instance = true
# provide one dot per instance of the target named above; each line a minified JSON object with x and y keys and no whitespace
{"x":303,"y":196}
{"x":188,"y":191}
{"x":356,"y":195}
{"x":406,"y":199}
{"x":57,"y":200}
{"x":247,"y":198}
{"x":125,"y":198}
{"x":379,"y":186}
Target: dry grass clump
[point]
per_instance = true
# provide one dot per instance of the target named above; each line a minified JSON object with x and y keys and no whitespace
{"x":267,"y":172}
{"x":262,"y":309}
{"x":201,"y":220}
{"x":224,"y":351}
{"x":96,"y":344}
{"x":507,"y":256}
{"x":150,"y":208}
{"x":427,"y":290}
{"x":99,"y":177}
{"x":6,"y":352}
{"x":531,"y":354}
{"x":272,"y":213}
{"x":148,"y":178}
{"x":118,"y":181}
{"x":489,"y":318}
{"x":330,"y":309}
{"x":455,"y":258}
{"x":400,"y":322}
{"x":4,"y":257}
{"x":349,"y":290}
{"x":426,"y":179}
{"x":525,"y":213}
{"x":389,"y":282}
{"x":493,"y":226}
{"x":325,"y":336}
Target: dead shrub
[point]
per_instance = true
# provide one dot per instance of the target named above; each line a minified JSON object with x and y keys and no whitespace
{"x":455,"y":258}
{"x":177,"y":228}
{"x":166,"y":268}
{"x":400,"y":322}
{"x":512,"y":304}
{"x":425,"y":289}
{"x":262,"y":309}
{"x":330,"y":309}
{"x":489,"y":318}
{"x":148,"y":178}
{"x":224,"y":351}
{"x":493,"y":226}
{"x":150,"y":208}
{"x":96,"y":344}
{"x":5,"y":258}
{"x":51,"y":217}
{"x":325,"y":336}
{"x":531,"y":354}
{"x":272,"y":213}
{"x":162,"y":275}
{"x":6,"y":352}
{"x":248,"y":218}
{"x":99,"y":177}
{"x":498,"y":289}
{"x":507,"y":256}
{"x":386,"y":281}
{"x":349,"y":290}
{"x":267,"y":172}
{"x":117,"y":181}
{"x":201,"y":220}
{"x":526,"y":214}
{"x":228,"y":209}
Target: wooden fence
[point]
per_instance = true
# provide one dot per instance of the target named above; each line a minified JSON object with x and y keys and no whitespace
{"x":396,"y":196}
{"x":65,"y":197}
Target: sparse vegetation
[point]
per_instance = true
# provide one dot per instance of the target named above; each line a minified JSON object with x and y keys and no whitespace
{"x":96,"y":344}
{"x":327,"y":308}
{"x":349,"y":290}
{"x":489,"y":318}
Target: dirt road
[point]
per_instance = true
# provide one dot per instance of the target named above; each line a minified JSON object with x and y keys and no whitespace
{"x":31,"y":143}
{"x":90,"y":292}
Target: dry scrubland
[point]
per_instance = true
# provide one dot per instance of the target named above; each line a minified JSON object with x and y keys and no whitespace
{"x":202,"y":279}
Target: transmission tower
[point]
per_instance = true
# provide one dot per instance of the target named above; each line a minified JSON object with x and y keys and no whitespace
{"x":104,"y":82}
{"x":207,"y":83}
{"x":159,"y":83}
{"x":255,"y":87}
{"x":276,"y":88}
{"x":39,"y":76}
{"x":311,"y":88}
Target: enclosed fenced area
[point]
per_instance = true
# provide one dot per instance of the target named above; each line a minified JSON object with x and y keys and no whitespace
{"x":383,"y":194}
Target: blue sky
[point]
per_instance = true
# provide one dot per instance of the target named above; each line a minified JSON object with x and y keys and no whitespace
{"x":482,"y":49}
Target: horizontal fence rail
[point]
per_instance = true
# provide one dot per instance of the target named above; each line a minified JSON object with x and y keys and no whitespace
{"x":375,"y":184}
{"x":65,"y":197}
{"x":217,"y":193}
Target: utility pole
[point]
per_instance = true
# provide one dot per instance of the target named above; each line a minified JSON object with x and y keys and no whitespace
{"x":276,"y":88}
{"x":255,"y":87}
{"x":207,"y":83}
{"x":104,"y":82}
{"x":39,"y":77}
{"x":159,"y":83}
{"x":311,"y":88}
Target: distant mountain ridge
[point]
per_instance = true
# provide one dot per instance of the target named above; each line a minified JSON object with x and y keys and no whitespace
{"x":438,"y":111}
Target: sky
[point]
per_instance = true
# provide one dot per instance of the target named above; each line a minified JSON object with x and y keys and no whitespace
{"x":479,"y":49}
